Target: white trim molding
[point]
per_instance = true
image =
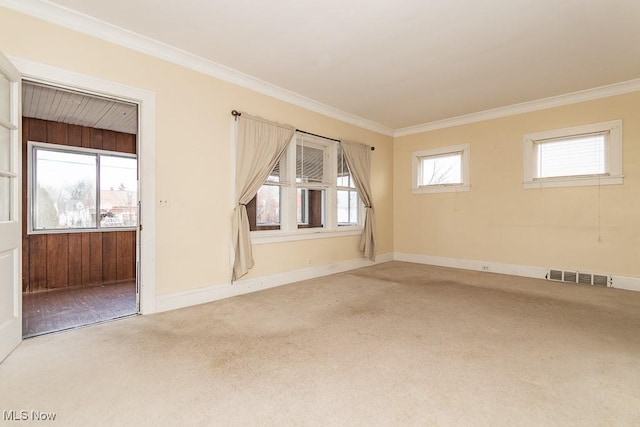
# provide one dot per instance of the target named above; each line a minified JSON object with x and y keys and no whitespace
{"x":146,"y":101}
{"x":245,"y":286}
{"x":618,"y":282}
{"x":525,"y":107}
{"x":612,"y":154}
{"x":76,"y":21}
{"x":80,"y":22}
{"x":417,"y":158}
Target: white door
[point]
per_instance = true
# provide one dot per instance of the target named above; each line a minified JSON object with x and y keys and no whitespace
{"x":10,"y":209}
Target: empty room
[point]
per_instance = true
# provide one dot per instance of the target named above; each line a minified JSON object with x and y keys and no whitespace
{"x":320,"y":213}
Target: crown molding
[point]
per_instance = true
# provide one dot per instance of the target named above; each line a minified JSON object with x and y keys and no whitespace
{"x":76,"y":21}
{"x":525,"y":107}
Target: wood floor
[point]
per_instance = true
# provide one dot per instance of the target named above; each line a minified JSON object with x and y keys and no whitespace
{"x":52,"y":311}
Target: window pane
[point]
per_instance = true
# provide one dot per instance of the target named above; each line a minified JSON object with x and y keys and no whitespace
{"x":344,"y":175}
{"x":279,"y":172}
{"x":268,"y":205}
{"x":354,"y":204}
{"x":309,"y":164}
{"x":348,"y":204}
{"x":5,"y":198}
{"x":302,"y":208}
{"x":118,"y":191}
{"x":310,"y":207}
{"x":65,"y":189}
{"x":441,"y":169}
{"x":5,"y":148}
{"x":581,"y":155}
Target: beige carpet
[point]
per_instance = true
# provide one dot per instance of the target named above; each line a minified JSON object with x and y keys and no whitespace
{"x":393,"y":344}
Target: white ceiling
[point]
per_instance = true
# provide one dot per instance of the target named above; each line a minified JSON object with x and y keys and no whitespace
{"x":58,"y":105}
{"x":399,"y":63}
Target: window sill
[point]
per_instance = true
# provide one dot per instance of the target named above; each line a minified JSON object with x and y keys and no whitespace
{"x":80,"y":230}
{"x":441,"y":189}
{"x":265,"y":237}
{"x":574,"y":181}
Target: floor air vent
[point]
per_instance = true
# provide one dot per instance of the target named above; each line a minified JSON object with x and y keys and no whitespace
{"x":569,"y":276}
{"x":600,"y":280}
{"x":578,"y":277}
{"x":555,"y":275}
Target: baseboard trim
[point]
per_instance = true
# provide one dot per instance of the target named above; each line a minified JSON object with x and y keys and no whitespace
{"x":245,"y":286}
{"x":619,"y":282}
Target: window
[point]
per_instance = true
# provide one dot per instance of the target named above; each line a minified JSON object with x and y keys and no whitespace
{"x":309,"y":191}
{"x":583,"y":155}
{"x":311,"y":181}
{"x":81,"y":189}
{"x":441,"y":169}
{"x":347,"y":196}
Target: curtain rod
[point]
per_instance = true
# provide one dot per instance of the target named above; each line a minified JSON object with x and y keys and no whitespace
{"x":236,"y":114}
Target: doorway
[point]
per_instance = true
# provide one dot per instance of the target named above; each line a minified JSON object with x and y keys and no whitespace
{"x":80,"y":209}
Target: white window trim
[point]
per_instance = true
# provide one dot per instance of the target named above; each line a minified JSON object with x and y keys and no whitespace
{"x":31,"y":145}
{"x":289,"y":230}
{"x":613,"y":155}
{"x":416,"y":156}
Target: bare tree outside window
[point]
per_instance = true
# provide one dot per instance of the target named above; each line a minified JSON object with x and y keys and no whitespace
{"x":442,"y":169}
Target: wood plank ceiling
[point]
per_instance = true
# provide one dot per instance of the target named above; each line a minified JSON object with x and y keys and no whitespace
{"x":60,"y":105}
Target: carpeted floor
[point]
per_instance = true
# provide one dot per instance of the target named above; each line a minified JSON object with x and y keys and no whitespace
{"x":392,"y":344}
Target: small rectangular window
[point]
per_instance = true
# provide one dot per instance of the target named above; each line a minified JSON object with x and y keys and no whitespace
{"x":584,"y":155}
{"x":442,"y":169}
{"x":572,"y":156}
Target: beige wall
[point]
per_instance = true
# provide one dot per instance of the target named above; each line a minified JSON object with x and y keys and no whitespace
{"x":194,"y":151}
{"x":585,"y":228}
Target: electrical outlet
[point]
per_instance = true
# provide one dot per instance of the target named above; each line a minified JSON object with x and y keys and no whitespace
{"x":163,"y":203}
{"x":485,"y":268}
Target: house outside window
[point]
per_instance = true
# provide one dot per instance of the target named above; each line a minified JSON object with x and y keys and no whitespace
{"x":78,"y":189}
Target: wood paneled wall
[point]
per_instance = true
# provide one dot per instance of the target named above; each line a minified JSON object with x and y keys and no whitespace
{"x":52,"y":261}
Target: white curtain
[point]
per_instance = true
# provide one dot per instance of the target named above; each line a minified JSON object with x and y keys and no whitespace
{"x":260,"y":145}
{"x":358,"y":158}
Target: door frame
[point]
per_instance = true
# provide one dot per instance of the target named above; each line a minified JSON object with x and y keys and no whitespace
{"x":146,"y":138}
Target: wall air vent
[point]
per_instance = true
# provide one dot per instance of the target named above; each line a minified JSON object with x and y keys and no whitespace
{"x":584,"y":278}
{"x":555,"y":275}
{"x":579,"y":277}
{"x":600,"y":280}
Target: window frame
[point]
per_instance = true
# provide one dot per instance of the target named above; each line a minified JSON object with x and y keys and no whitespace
{"x":289,"y":227}
{"x":613,"y":156}
{"x":465,"y":169}
{"x":31,"y":178}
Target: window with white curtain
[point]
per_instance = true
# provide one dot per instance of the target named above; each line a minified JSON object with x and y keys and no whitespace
{"x":347,"y":197}
{"x":583,"y":155}
{"x":309,"y":191}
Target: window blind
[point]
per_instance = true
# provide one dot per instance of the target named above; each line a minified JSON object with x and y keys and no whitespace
{"x":309,"y":164}
{"x":577,"y":155}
